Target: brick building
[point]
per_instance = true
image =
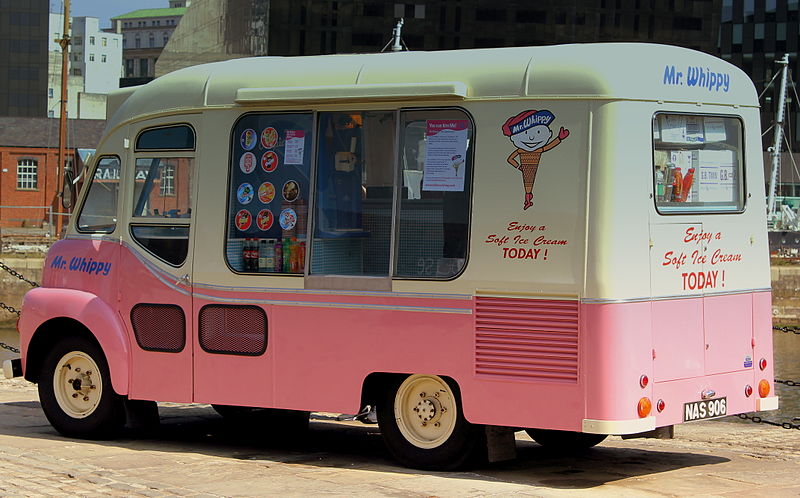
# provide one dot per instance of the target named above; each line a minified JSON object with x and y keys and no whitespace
{"x":28,"y":160}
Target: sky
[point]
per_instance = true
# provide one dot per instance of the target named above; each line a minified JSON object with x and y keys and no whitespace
{"x":105,"y":9}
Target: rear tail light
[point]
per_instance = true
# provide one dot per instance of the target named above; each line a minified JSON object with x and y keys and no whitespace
{"x":643,"y":381}
{"x":644,"y":407}
{"x":762,"y":363}
{"x":763,"y":388}
{"x":660,"y":405}
{"x":748,"y":390}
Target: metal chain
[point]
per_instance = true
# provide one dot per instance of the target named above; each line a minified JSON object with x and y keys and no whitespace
{"x":17,"y":274}
{"x":759,"y":420}
{"x":10,"y":348}
{"x":9,"y":308}
{"x":793,"y":330}
{"x":790,"y":383}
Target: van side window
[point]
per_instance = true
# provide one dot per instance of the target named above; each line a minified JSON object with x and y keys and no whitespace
{"x":436,"y":168}
{"x":162,"y":192}
{"x":99,"y":211}
{"x":268,"y":193}
{"x":355,"y":193}
{"x":162,"y":187}
{"x":698,"y":163}
{"x":179,"y":137}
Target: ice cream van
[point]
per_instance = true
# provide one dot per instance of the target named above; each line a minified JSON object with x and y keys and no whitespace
{"x":568,"y":240}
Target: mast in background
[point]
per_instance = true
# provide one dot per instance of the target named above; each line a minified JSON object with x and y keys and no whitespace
{"x":776,"y":148}
{"x":64,"y":42}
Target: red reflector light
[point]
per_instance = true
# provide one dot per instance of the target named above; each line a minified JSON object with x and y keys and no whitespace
{"x":763,"y":388}
{"x":762,"y":363}
{"x":644,"y":407}
{"x":643,"y":381}
{"x":660,"y":405}
{"x":748,"y":390}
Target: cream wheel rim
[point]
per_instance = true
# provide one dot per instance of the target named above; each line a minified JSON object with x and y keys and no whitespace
{"x":77,"y":384}
{"x":425,"y":410}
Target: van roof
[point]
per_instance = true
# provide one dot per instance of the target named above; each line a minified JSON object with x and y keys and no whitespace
{"x":630,"y":71}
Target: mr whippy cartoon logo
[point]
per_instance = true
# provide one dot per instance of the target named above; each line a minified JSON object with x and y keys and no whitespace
{"x":530,"y":133}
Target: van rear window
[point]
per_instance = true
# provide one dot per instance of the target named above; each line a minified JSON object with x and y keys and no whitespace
{"x":697,"y":163}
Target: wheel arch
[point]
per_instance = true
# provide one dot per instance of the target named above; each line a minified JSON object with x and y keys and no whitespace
{"x":49,"y":314}
{"x":374,"y":384}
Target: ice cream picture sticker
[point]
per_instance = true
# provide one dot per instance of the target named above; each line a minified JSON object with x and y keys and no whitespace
{"x":269,"y":138}
{"x":247,"y":163}
{"x":249,"y":139}
{"x":243,"y":220}
{"x":530,"y":133}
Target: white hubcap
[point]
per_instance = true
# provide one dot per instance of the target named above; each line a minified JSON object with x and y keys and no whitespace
{"x":77,"y":384}
{"x":425,"y":410}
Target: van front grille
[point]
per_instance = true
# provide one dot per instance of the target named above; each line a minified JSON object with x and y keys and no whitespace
{"x":526,"y":339}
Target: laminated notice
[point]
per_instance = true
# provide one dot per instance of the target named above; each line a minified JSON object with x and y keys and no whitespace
{"x":445,"y":155}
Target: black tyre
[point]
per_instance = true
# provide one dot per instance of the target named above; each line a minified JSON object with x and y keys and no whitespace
{"x":423,"y":425}
{"x":76,"y":393}
{"x":565,"y":441}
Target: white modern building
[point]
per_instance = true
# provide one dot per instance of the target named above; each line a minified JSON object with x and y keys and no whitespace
{"x":95,"y":67}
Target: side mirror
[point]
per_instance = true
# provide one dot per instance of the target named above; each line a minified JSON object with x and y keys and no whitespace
{"x":68,"y":192}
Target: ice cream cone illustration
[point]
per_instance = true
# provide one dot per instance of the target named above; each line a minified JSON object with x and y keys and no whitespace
{"x":530,"y":133}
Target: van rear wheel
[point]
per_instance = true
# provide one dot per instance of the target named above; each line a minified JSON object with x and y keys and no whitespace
{"x":423,"y":425}
{"x":565,"y":441}
{"x":76,"y":393}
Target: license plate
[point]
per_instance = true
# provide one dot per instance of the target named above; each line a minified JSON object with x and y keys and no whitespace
{"x":708,"y":408}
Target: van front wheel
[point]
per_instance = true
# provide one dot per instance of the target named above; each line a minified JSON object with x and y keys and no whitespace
{"x":75,"y":391}
{"x":422,"y":423}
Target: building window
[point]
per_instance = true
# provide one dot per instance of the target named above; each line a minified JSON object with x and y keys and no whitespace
{"x":27,"y":174}
{"x":129,"y":68}
{"x":138,"y":42}
{"x":51,"y":114}
{"x":78,"y":40}
{"x":77,"y":72}
{"x":50,"y":93}
{"x":104,"y":41}
{"x":167,"y":187}
{"x":91,"y":57}
{"x":103,"y":58}
{"x":143,"y":67}
{"x":124,"y":43}
{"x":91,"y":40}
{"x":152,"y":40}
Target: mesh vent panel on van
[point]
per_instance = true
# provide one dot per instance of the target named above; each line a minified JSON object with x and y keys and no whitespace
{"x":159,"y":327}
{"x":229,"y":329}
{"x":526,"y":339}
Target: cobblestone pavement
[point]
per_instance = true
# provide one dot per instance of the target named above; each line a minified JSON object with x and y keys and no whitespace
{"x":195,"y":453}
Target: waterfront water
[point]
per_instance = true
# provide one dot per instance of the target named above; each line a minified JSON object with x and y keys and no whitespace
{"x":787,"y":367}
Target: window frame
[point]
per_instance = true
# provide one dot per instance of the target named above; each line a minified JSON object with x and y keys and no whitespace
{"x":397,"y":175}
{"x":88,"y":187}
{"x":28,"y":175}
{"x":232,"y":140}
{"x":742,"y":150}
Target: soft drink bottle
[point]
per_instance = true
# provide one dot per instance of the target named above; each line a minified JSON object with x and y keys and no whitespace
{"x":677,"y":185}
{"x":269,"y":264}
{"x":287,"y":255}
{"x":246,"y":254}
{"x":262,"y":255}
{"x":687,"y":184}
{"x":278,"y":256}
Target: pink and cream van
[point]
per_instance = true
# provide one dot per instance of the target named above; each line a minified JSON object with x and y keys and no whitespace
{"x":569,"y":240}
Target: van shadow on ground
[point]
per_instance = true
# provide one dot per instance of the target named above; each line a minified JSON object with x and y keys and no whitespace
{"x":329,"y":444}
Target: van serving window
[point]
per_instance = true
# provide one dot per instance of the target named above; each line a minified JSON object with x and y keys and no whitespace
{"x":697,"y":163}
{"x":268,"y":193}
{"x":179,"y":137}
{"x":375,"y":197}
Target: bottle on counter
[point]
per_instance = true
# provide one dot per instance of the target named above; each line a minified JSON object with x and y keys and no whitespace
{"x":262,"y":255}
{"x":269,"y":258}
{"x":687,"y":185}
{"x":278,"y":256}
{"x":302,"y":253}
{"x":677,"y":185}
{"x":287,"y":255}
